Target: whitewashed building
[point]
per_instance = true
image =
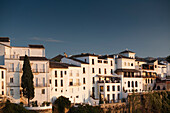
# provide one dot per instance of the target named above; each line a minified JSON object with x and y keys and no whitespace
{"x":12,"y":59}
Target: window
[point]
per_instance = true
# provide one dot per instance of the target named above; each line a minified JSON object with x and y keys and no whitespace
{"x":111,"y":71}
{"x":113,"y":88}
{"x":2,"y":84}
{"x":132,"y":74}
{"x":12,"y":67}
{"x":93,"y":61}
{"x":155,"y":66}
{"x":108,"y":88}
{"x":55,"y":73}
{"x":136,"y":84}
{"x":77,"y":96}
{"x":84,"y":71}
{"x":132,"y":84}
{"x":36,"y":82}
{"x":84,"y":88}
{"x":65,"y":72}
{"x":93,"y":80}
{"x":12,"y":92}
{"x":11,"y":80}
{"x":2,"y":92}
{"x":125,"y":63}
{"x":105,"y":72}
{"x":125,"y":74}
{"x":92,"y":70}
{"x":101,"y":88}
{"x":111,"y":63}
{"x":151,"y":81}
{"x":2,"y":73}
{"x":84,"y":80}
{"x":131,"y":64}
{"x":71,"y":82}
{"x":128,"y":64}
{"x":50,"y":81}
{"x":118,"y":88}
{"x":43,"y":68}
{"x":43,"y":91}
{"x":84,"y":60}
{"x":118,"y":96}
{"x":55,"y":83}
{"x":128,"y":83}
{"x":108,"y":97}
{"x":61,"y":73}
{"x":148,"y":81}
{"x":55,"y":89}
{"x":113,"y":96}
{"x":99,"y":71}
{"x":43,"y":81}
{"x":61,"y":83}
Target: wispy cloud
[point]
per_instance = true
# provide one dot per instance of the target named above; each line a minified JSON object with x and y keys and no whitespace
{"x":47,"y":39}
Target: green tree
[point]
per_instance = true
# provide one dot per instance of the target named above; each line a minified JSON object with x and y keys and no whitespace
{"x":27,"y":80}
{"x":168,"y":58}
{"x":61,"y":103}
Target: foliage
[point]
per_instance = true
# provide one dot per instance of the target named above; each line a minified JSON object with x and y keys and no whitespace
{"x":168,"y":58}
{"x":61,"y":103}
{"x":85,"y":109}
{"x":14,"y":108}
{"x":27,"y":80}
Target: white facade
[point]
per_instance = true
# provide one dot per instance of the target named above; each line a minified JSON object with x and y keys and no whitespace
{"x":2,"y":81}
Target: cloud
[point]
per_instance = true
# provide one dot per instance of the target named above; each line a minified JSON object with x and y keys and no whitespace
{"x":47,"y":39}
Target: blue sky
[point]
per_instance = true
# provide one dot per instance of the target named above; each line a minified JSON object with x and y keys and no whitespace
{"x":94,"y":26}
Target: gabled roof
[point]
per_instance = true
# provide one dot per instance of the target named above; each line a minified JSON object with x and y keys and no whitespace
{"x":61,"y":65}
{"x":57,"y":58}
{"x":34,"y":58}
{"x":84,"y":55}
{"x":4,"y":39}
{"x":126,"y":51}
{"x":82,"y":62}
{"x":36,"y":46}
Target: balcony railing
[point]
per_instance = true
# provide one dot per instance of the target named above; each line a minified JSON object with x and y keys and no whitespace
{"x":38,"y":70}
{"x":12,"y":56}
{"x":108,"y":81}
{"x":42,"y":85}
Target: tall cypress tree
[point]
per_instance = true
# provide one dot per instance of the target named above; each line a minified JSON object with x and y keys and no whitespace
{"x":27,"y":80}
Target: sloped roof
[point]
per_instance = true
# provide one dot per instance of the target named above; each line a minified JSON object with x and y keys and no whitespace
{"x":84,"y":55}
{"x":36,"y":46}
{"x":2,"y":67}
{"x":57,"y":58}
{"x":4,"y":39}
{"x":61,"y":65}
{"x":34,"y":58}
{"x":126,"y":51}
{"x":77,"y":60}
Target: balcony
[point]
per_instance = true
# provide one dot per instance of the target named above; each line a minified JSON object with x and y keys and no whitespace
{"x":42,"y":85}
{"x":12,"y":56}
{"x":108,"y":81}
{"x":38,"y":70}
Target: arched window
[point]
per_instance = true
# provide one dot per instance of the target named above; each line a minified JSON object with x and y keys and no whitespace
{"x":132,"y":84}
{"x":136,"y":84}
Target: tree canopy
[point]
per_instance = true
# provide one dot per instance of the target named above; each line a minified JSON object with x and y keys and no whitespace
{"x":168,"y":58}
{"x":61,"y":103}
{"x":27,"y":80}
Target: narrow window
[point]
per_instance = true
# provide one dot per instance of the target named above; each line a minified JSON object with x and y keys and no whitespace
{"x":2,"y":73}
{"x":118,"y":88}
{"x":43,"y":81}
{"x":2,"y":84}
{"x":136,"y":84}
{"x":61,"y":83}
{"x":92,"y":70}
{"x":113,"y":88}
{"x":108,"y":88}
{"x":84,"y":80}
{"x":71,"y":82}
{"x":132,"y":84}
{"x":113,"y":97}
{"x":93,"y":61}
{"x":43,"y":91}
{"x":11,"y":80}
{"x":55,"y":73}
{"x":55,"y":83}
{"x":93,"y":80}
{"x":128,"y":83}
{"x":111,"y":71}
{"x":99,"y":71}
{"x":84,"y":71}
{"x":111,"y":63}
{"x":105,"y":72}
{"x":36,"y":83}
{"x":101,"y":88}
{"x":61,"y":73}
{"x":118,"y":95}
